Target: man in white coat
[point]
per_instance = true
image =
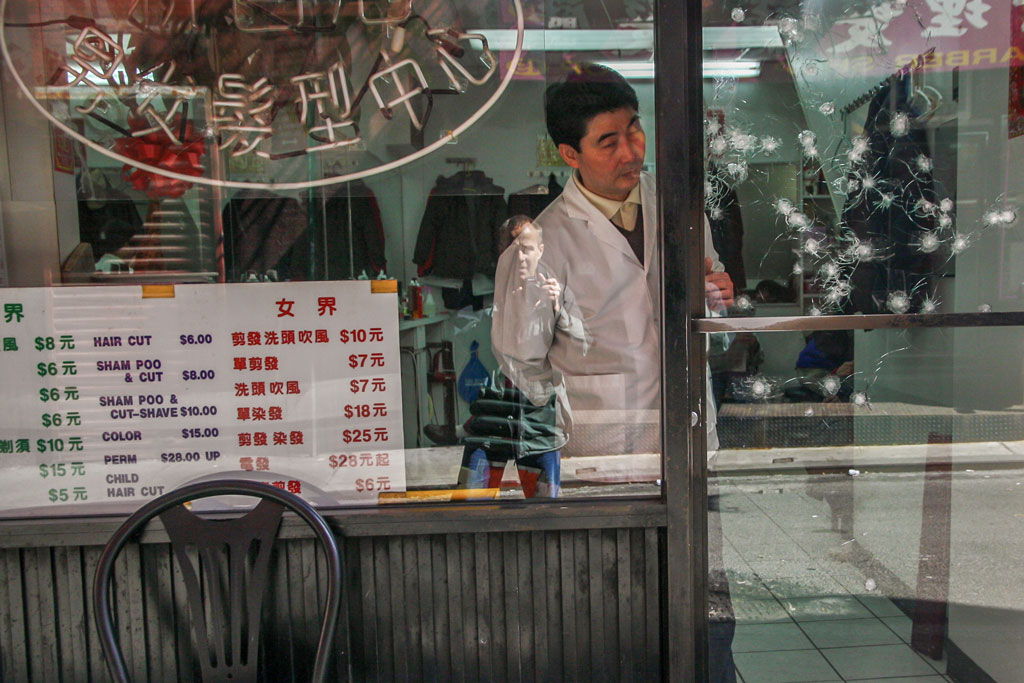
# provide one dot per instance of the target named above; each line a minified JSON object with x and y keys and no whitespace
{"x":596,"y":342}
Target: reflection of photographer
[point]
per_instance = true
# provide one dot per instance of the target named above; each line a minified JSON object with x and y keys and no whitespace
{"x":505,"y":422}
{"x":528,"y":248}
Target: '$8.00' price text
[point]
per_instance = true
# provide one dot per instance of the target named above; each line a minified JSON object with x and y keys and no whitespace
{"x":194,"y":375}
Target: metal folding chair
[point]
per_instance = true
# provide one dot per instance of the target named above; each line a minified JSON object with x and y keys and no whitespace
{"x":225,"y":598}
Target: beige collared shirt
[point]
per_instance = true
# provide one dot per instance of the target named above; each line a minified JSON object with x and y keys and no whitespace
{"x":621,"y":213}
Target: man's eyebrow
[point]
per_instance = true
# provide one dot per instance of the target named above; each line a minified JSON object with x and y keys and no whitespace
{"x":632,"y":122}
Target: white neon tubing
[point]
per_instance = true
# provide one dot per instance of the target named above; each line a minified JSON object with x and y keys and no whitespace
{"x":323,"y":182}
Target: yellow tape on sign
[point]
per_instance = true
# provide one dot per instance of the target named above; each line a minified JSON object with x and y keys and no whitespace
{"x":384,"y":286}
{"x":157,"y":291}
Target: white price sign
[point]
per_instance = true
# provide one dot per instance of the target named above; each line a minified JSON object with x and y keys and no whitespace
{"x":118,"y":394}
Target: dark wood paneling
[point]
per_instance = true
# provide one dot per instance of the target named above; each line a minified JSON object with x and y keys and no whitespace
{"x":517,"y":606}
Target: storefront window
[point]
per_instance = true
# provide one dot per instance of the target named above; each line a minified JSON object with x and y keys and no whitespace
{"x":299,"y":242}
{"x":863,"y":183}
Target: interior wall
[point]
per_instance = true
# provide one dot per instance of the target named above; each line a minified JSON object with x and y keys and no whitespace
{"x":29,"y":212}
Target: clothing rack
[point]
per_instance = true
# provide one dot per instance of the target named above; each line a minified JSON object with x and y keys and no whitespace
{"x":914,"y":65}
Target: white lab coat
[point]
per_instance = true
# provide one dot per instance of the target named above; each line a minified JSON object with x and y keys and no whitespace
{"x":600,"y":354}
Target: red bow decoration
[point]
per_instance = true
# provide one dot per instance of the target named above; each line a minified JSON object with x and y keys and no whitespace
{"x":157,"y":149}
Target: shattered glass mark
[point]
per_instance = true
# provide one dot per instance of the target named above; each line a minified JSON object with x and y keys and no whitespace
{"x":830,"y":385}
{"x":770,"y":145}
{"x":898,"y":302}
{"x":744,"y":303}
{"x":899,"y":125}
{"x":929,"y":305}
{"x":757,"y":388}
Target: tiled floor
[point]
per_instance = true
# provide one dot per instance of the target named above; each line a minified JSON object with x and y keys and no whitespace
{"x":802,"y":614}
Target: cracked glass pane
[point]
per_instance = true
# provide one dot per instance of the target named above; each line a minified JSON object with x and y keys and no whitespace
{"x":864,"y":158}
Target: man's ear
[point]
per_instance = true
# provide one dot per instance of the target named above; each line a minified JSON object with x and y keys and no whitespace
{"x":569,"y":154}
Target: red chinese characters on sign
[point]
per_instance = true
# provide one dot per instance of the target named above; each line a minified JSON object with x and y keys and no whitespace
{"x":280,"y":338}
{"x":258,"y":464}
{"x":292,"y":485}
{"x":256,"y":363}
{"x":259,"y":413}
{"x":293,"y":438}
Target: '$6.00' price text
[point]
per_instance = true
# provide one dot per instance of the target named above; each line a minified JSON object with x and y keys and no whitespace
{"x":187,"y":339}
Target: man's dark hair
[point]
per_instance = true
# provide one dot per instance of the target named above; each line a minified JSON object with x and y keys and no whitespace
{"x":587,"y":91}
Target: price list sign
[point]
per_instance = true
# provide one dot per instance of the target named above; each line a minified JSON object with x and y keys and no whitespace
{"x":111,"y":396}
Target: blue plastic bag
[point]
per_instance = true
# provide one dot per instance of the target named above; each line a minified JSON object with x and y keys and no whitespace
{"x":473,"y":377}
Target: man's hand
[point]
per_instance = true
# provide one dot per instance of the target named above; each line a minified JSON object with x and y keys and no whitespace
{"x":718,"y":287}
{"x":552,"y":291}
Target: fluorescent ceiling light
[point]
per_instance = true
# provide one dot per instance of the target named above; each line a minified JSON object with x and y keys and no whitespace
{"x":580,"y":40}
{"x":713,"y":68}
{"x":734,"y":64}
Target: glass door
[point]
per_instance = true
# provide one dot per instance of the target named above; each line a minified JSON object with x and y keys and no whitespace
{"x":862,"y":179}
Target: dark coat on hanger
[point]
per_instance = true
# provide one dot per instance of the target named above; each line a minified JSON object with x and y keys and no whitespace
{"x":727,"y":236}
{"x":266,"y":232}
{"x":459,"y":232}
{"x":894,"y":230}
{"x":532,"y":203}
{"x":109,"y":223}
{"x":366,"y":232}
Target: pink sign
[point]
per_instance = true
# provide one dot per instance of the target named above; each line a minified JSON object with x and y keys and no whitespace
{"x":965,"y":34}
{"x":1016,"y":108}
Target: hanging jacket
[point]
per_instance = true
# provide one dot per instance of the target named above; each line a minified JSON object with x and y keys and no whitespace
{"x":459,"y":232}
{"x":109,"y":223}
{"x":362,"y":239}
{"x":531,"y":203}
{"x":891,"y":160}
{"x":266,"y":232}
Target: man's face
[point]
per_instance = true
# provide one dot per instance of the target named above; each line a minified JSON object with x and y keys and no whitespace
{"x":611,"y":153}
{"x":529,"y":250}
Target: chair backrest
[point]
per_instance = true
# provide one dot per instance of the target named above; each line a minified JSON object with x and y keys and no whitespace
{"x":225,"y":567}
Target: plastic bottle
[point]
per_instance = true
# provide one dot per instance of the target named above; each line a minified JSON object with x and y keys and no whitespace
{"x":415,"y":299}
{"x":429,"y":304}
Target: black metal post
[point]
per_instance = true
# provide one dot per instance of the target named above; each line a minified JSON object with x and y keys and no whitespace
{"x":679,"y":106}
